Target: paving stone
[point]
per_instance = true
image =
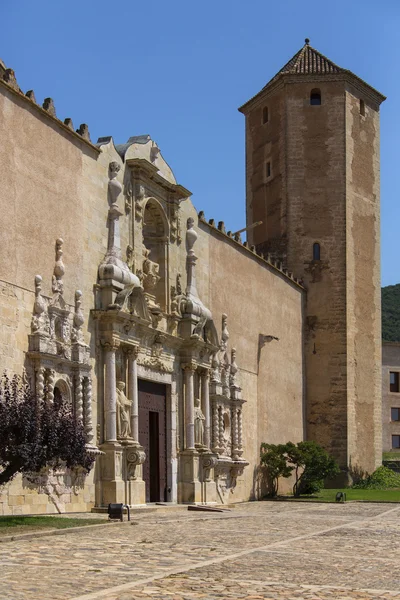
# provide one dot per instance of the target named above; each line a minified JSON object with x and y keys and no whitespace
{"x":259,"y":551}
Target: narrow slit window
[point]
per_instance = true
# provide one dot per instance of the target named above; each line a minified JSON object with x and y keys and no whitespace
{"x":268,"y":169}
{"x":316,"y":251}
{"x":362,"y":108}
{"x":315,"y":97}
{"x":395,"y":414}
{"x":265,"y":115}
{"x":395,"y":441}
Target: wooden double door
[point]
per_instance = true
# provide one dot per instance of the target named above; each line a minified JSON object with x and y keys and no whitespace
{"x":153,"y":438}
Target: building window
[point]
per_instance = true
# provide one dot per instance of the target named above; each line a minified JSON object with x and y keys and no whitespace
{"x":395,"y":414}
{"x":395,"y":441}
{"x":394,"y":381}
{"x":362,"y":108}
{"x":316,"y":251}
{"x":315,"y":97}
{"x":265,"y":115}
{"x":268,"y":169}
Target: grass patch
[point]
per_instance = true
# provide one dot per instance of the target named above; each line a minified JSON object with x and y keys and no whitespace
{"x":11,"y":525}
{"x":391,"y":455}
{"x":362,"y":495}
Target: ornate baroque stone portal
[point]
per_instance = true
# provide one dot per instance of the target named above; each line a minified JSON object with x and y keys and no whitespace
{"x":57,"y":352}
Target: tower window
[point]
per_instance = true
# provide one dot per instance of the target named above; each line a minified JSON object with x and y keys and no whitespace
{"x":315,"y":97}
{"x":268,"y":169}
{"x":394,"y":381}
{"x":395,"y":414}
{"x":265,"y":115}
{"x":316,"y":251}
{"x":395,"y":441}
{"x":362,"y":108}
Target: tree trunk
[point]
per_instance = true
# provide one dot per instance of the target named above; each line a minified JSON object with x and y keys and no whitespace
{"x":9,"y":472}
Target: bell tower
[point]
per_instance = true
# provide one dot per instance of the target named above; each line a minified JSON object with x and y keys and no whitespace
{"x":312,"y":178}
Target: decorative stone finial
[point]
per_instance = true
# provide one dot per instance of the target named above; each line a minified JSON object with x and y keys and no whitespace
{"x":114,"y":186}
{"x":49,"y":107}
{"x":59,"y":269}
{"x":79,"y":319}
{"x":84,"y":131}
{"x":39,"y":307}
{"x":221,"y":226}
{"x":307,"y":41}
{"x":225,"y":333}
{"x":234,"y":368}
{"x":68,"y":122}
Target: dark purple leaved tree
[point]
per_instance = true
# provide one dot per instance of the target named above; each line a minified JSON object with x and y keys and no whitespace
{"x":34,"y":435}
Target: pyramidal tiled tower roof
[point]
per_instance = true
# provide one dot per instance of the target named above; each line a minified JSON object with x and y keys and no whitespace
{"x":308,"y":61}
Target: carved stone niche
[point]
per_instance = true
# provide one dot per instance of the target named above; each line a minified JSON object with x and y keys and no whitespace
{"x":154,"y":267}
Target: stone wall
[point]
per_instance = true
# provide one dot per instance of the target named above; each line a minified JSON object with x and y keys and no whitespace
{"x":363,"y":291}
{"x":260,"y":301}
{"x":55,"y":186}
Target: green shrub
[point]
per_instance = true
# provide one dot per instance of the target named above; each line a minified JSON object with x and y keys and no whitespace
{"x":381,"y":479}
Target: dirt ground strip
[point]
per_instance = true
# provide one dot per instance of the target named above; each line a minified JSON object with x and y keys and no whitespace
{"x":257,"y":551}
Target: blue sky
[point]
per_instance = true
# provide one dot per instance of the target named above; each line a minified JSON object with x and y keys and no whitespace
{"x":179,"y":71}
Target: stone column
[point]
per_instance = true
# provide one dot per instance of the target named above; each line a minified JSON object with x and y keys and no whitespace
{"x":78,"y":398}
{"x":240,"y":429}
{"x":87,"y":407}
{"x":221,"y":428}
{"x":234,"y":429}
{"x":40,"y":384}
{"x":133,"y":392}
{"x":205,"y":405}
{"x":50,"y":386}
{"x":110,"y":391}
{"x":189,"y":405}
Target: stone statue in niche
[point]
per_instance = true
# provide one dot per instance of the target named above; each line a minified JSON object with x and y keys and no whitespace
{"x":199,"y":419}
{"x":114,"y":186}
{"x":124,"y":407}
{"x":150,"y":272}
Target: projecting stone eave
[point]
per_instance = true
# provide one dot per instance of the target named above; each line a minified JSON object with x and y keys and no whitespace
{"x":288,"y":78}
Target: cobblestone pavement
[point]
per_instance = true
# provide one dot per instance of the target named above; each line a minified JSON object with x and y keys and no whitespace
{"x":256,"y":551}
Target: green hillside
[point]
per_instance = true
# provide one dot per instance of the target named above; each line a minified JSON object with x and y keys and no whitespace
{"x":391,"y":313}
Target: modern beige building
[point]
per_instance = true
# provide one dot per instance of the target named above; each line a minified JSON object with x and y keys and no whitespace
{"x":180,"y":348}
{"x":391,"y":396}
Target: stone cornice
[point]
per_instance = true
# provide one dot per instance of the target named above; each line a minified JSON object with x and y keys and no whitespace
{"x":44,"y":113}
{"x":142,"y":168}
{"x":345,"y":76}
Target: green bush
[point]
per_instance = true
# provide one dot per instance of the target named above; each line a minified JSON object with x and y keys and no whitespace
{"x":381,"y":479}
{"x":310,"y":463}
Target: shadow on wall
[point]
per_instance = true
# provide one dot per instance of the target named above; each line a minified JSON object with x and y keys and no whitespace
{"x":261,"y":484}
{"x":59,"y":485}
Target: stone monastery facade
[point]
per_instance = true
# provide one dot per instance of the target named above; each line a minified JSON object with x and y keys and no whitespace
{"x":179,"y":347}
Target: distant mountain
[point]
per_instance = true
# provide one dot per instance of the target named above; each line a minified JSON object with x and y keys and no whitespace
{"x":391,"y":313}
